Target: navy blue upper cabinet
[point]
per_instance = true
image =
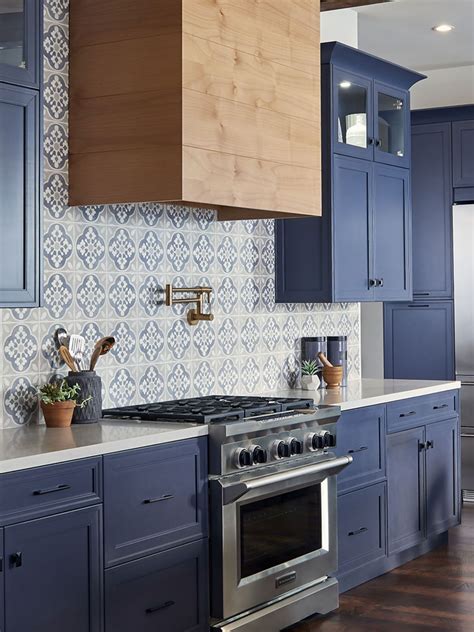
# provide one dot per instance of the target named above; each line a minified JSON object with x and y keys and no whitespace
{"x":463,"y":153}
{"x":20,"y":198}
{"x":53,"y":573}
{"x":20,"y":28}
{"x":418,"y":341}
{"x":432,"y":199}
{"x":361,"y":246}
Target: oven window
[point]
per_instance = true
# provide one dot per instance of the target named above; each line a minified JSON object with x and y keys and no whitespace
{"x":279,"y":529}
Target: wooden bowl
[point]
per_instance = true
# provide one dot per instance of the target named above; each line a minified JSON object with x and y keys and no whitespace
{"x":332,"y":375}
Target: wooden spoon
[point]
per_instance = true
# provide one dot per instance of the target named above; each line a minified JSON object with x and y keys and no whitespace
{"x":102,"y":346}
{"x":67,"y":357}
{"x":324,"y":360}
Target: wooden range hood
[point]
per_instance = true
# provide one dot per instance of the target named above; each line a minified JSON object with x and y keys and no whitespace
{"x":212,"y":103}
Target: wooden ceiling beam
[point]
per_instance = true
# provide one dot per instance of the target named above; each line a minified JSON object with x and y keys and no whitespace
{"x":330,"y":5}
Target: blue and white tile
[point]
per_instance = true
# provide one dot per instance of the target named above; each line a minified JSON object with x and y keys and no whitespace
{"x":178,"y":380}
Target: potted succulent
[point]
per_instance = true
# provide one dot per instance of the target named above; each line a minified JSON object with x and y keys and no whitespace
{"x":58,"y":401}
{"x":309,"y":375}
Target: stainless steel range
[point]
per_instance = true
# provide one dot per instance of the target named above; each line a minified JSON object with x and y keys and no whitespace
{"x":273,"y":505}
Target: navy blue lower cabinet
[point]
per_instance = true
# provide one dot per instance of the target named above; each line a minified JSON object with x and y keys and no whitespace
{"x":2,"y":583}
{"x":361,"y":434}
{"x":419,"y":341}
{"x":443,"y":496}
{"x":20,"y":199}
{"x":463,"y":154}
{"x":166,"y":591}
{"x":154,"y":498}
{"x":406,"y":489}
{"x":53,"y":573}
{"x":361,"y":527}
{"x":391,"y":239}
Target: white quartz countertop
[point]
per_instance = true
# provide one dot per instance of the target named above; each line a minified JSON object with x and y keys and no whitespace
{"x":370,"y":392}
{"x":33,"y":446}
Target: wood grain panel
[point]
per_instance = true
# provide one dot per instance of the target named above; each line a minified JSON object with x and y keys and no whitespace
{"x":98,"y":21}
{"x":132,"y":175}
{"x":230,"y":127}
{"x":221,"y":71}
{"x":137,"y":65}
{"x":234,"y":181}
{"x":278,"y":30}
{"x":104,"y":123}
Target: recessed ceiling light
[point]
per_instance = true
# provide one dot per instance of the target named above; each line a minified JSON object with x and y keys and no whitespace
{"x":443,"y":28}
{"x":345,"y":84}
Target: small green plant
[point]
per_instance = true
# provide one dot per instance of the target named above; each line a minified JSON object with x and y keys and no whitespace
{"x":60,"y":391}
{"x":310,"y":367}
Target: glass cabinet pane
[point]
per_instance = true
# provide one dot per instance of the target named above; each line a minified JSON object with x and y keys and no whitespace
{"x":12,"y":33}
{"x":352,"y":113}
{"x":391,"y":124}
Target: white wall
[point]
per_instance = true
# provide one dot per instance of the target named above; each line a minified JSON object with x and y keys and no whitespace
{"x":340,"y":26}
{"x":444,"y":87}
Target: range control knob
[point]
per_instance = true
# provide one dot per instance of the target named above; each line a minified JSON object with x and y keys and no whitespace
{"x":296,"y":446}
{"x":259,"y":454}
{"x":321,"y":440}
{"x":243,"y":457}
{"x":281,"y":449}
{"x":329,"y":440}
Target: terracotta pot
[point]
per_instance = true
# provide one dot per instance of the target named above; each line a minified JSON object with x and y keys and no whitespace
{"x":332,"y":375}
{"x":59,"y":414}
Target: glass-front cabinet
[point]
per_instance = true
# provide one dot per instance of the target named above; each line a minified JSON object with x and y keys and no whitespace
{"x":370,"y":120}
{"x":19,"y":30}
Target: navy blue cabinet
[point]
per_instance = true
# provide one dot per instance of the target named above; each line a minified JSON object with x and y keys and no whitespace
{"x":406,"y":485}
{"x":19,"y":43}
{"x":166,"y":591}
{"x":463,"y":153}
{"x":419,"y":341}
{"x":431,"y":211}
{"x":53,"y":573}
{"x":20,"y":199}
{"x":361,"y":246}
{"x":2,"y":583}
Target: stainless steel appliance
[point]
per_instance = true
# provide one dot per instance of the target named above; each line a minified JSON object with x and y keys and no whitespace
{"x":463,"y":226}
{"x":273,"y":506}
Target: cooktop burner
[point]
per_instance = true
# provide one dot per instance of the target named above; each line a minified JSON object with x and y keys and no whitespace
{"x":210,"y":409}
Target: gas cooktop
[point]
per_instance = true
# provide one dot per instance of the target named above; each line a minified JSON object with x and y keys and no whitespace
{"x":210,"y":409}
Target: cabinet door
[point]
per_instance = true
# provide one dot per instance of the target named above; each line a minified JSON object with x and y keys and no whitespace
{"x":392,"y":125}
{"x":463,"y":154}
{"x":352,"y":114}
{"x":352,"y":182}
{"x":419,"y":341}
{"x":20,"y":35}
{"x":406,"y":485}
{"x":442,"y":476}
{"x":165,"y":592}
{"x":19,"y":199}
{"x":391,"y":233}
{"x":53,"y":573}
{"x":431,"y":213}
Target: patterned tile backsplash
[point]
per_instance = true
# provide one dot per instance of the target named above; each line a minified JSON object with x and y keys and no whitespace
{"x":105,"y":267}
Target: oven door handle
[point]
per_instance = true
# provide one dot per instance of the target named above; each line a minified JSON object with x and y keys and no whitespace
{"x":233,"y":491}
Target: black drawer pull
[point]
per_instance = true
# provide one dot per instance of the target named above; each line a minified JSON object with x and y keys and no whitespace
{"x":51,"y":490}
{"x":440,"y":407}
{"x":361,"y":449}
{"x":412,"y":412}
{"x":150,"y":501}
{"x":359,"y":531}
{"x":421,"y":294}
{"x":418,"y":305}
{"x":16,"y":559}
{"x":422,"y":445}
{"x":163,"y":606}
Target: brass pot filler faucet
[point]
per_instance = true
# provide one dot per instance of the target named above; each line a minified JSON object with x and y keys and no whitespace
{"x":194,"y":315}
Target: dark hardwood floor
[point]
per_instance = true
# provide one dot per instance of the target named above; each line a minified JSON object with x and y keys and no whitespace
{"x":434,"y":592}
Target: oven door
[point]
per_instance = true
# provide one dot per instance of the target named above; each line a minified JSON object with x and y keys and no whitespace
{"x":272,"y":533}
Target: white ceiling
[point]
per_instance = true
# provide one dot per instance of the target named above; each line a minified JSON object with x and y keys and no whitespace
{"x":400,"y":31}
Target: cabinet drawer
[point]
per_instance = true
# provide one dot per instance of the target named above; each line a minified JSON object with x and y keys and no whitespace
{"x":50,"y":489}
{"x":361,"y":524}
{"x":361,"y":434}
{"x":155,"y":498}
{"x":408,"y":413}
{"x":165,"y":591}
